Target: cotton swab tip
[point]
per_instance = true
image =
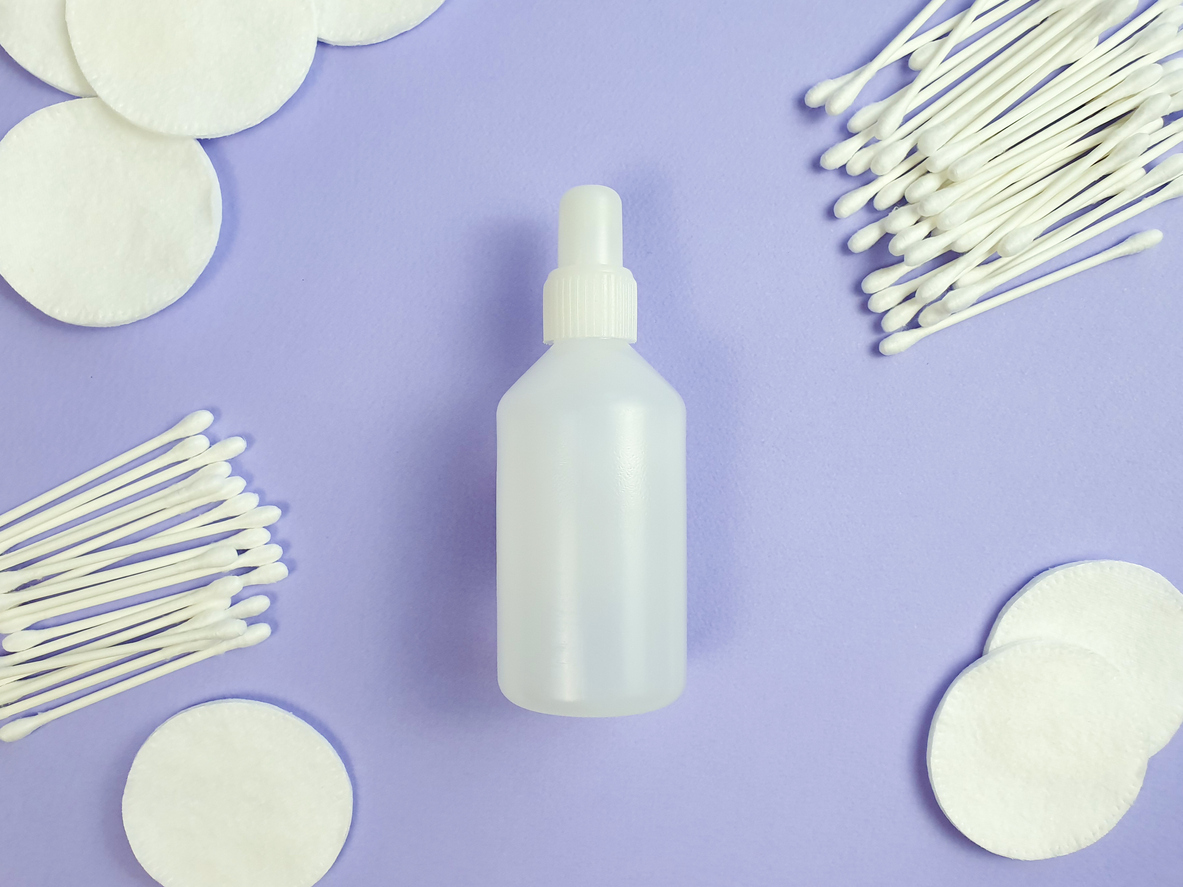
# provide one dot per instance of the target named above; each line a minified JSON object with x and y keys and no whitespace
{"x":262,"y":516}
{"x":194,"y":423}
{"x":228,"y":630}
{"x":901,"y":341}
{"x":19,"y":729}
{"x":217,"y":556}
{"x":266,"y":575}
{"x":1143,"y":240}
{"x":258,"y":557}
{"x":19,"y":641}
{"x":227,"y":586}
{"x":228,"y":448}
{"x":251,"y":538}
{"x":256,"y":634}
{"x":251,"y":607}
{"x":820,"y":93}
{"x":190,"y":447}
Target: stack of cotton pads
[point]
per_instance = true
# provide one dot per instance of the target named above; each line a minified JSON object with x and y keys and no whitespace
{"x":108,"y":575}
{"x":109,"y":208}
{"x":1029,"y":128}
{"x":1040,"y":747}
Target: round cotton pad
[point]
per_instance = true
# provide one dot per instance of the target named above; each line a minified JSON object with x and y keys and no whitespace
{"x":358,"y":22}
{"x":1130,"y":615}
{"x":238,"y":794}
{"x":34,"y":33}
{"x":1035,"y":750}
{"x":199,"y":68}
{"x":102,"y":223}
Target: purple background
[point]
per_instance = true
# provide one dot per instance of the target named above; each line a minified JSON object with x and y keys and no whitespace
{"x":856,"y":521}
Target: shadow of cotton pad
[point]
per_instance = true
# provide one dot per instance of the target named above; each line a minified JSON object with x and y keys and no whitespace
{"x":34,"y":33}
{"x":1130,"y":615}
{"x":237,"y":793}
{"x":102,"y":223}
{"x":360,"y":22}
{"x":200,"y":68}
{"x":1036,"y":750}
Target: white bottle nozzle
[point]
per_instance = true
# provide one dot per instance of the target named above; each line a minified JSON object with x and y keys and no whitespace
{"x":591,"y":227}
{"x":591,"y":294}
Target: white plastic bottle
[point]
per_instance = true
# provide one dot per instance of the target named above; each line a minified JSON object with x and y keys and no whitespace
{"x":591,"y":495}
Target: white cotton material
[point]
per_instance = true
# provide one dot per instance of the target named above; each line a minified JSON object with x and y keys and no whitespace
{"x":1127,"y":613}
{"x":237,"y":793}
{"x":34,"y":33}
{"x":202,"y":68}
{"x":1036,"y":750}
{"x":102,"y":223}
{"x":361,"y":22}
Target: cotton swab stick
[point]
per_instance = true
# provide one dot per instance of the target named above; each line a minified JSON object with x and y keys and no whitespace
{"x":192,"y":424}
{"x":223,"y":630}
{"x":22,"y":727}
{"x":894,"y":115}
{"x":963,"y":297}
{"x":42,"y":641}
{"x":247,"y":539}
{"x":216,"y":556}
{"x":820,"y":93}
{"x":259,"y":517}
{"x":229,"y":510}
{"x":222,"y":451}
{"x":158,"y":507}
{"x":181,"y":452}
{"x":901,"y":341}
{"x":843,"y":97}
{"x":211,"y":564}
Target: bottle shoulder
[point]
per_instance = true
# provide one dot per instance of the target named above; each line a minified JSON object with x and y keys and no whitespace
{"x":592,"y":371}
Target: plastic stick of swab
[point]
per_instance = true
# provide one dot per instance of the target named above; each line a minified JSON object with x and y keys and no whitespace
{"x":1122,"y":98}
{"x":221,"y":451}
{"x":213,"y":563}
{"x":942,"y":97}
{"x":150,"y":510}
{"x":192,"y":424}
{"x":30,"y":643}
{"x":842,"y":98}
{"x":224,"y":630}
{"x":79,"y":677}
{"x":27,"y":601}
{"x":1057,"y":43}
{"x":234,"y":507}
{"x":1104,"y":85}
{"x":72,"y":508}
{"x":894,"y":115}
{"x":22,"y":727}
{"x":1054,"y":244}
{"x":1163,"y":173}
{"x":821,"y":92}
{"x":256,"y":518}
{"x":854,"y":153}
{"x":244,"y":541}
{"x":905,"y":339}
{"x":866,"y":117}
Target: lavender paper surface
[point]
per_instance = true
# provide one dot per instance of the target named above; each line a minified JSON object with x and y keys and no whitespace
{"x":856,"y":521}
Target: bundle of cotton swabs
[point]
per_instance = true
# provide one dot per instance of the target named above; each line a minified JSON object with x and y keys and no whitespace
{"x":97,"y":580}
{"x":1028,"y":129}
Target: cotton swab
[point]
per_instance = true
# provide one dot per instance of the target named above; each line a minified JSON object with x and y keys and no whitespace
{"x":219,"y":515}
{"x":181,"y":452}
{"x":223,"y":630}
{"x":210,"y":481}
{"x":42,"y":641}
{"x":843,"y":97}
{"x":247,"y":539}
{"x":901,"y":341}
{"x":194,"y":423}
{"x":211,"y":564}
{"x":22,"y":727}
{"x":820,"y":93}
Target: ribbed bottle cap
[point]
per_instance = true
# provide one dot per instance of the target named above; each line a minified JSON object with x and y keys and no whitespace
{"x":591,"y":294}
